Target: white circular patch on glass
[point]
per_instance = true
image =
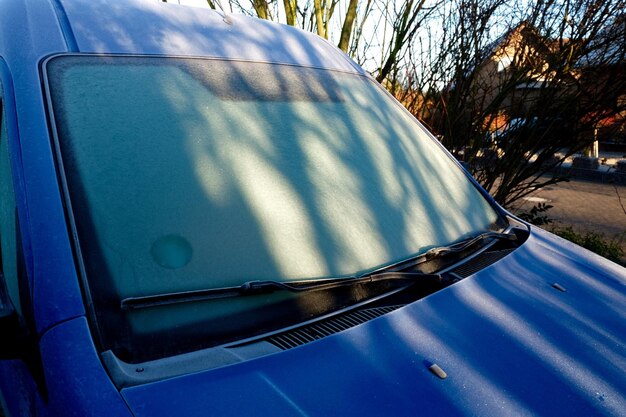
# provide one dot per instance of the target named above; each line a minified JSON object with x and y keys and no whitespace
{"x":171,"y":251}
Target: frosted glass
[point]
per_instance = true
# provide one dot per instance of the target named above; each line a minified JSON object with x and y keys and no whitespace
{"x":188,"y":174}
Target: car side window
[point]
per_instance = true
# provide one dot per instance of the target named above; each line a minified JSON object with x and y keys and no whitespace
{"x":8,"y":226}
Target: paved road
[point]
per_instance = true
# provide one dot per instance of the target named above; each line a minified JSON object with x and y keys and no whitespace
{"x":586,"y":206}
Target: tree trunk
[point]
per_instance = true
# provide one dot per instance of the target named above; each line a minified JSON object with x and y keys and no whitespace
{"x":291,"y":6}
{"x":319,"y":18}
{"x":261,"y":9}
{"x":346,"y":31}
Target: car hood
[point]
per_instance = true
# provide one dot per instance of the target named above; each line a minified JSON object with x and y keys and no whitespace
{"x":510,"y":343}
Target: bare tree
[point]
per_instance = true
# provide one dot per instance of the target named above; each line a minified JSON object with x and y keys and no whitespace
{"x":512,"y":102}
{"x":506,"y":85}
{"x":405,"y":23}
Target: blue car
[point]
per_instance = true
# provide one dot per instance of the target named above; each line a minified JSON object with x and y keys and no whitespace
{"x":204,"y":214}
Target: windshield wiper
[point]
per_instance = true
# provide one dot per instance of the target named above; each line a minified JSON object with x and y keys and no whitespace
{"x":266,"y":287}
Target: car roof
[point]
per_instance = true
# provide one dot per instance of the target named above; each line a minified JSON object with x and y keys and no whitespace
{"x":148,"y":27}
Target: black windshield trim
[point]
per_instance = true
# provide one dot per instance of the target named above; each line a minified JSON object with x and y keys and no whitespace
{"x":264,"y":287}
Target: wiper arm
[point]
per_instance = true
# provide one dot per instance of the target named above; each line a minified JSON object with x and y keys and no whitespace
{"x":442,"y":251}
{"x":467,"y":243}
{"x":266,"y":287}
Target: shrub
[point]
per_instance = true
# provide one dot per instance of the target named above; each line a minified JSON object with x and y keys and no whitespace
{"x":537,"y":215}
{"x":595,"y":242}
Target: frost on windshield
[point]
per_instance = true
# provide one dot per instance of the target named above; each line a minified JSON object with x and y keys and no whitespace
{"x":188,"y":174}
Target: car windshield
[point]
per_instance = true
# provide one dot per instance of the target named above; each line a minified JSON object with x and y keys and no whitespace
{"x":187,"y":174}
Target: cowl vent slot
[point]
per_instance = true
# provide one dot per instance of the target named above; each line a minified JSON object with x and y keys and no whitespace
{"x":481,"y":261}
{"x":323,"y":328}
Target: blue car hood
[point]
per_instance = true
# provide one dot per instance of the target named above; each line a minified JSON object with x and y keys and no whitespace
{"x":510,"y":343}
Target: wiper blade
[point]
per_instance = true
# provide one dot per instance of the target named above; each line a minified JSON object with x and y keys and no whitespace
{"x":266,"y":287}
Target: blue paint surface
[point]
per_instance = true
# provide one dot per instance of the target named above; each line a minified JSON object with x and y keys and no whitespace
{"x":510,"y":343}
